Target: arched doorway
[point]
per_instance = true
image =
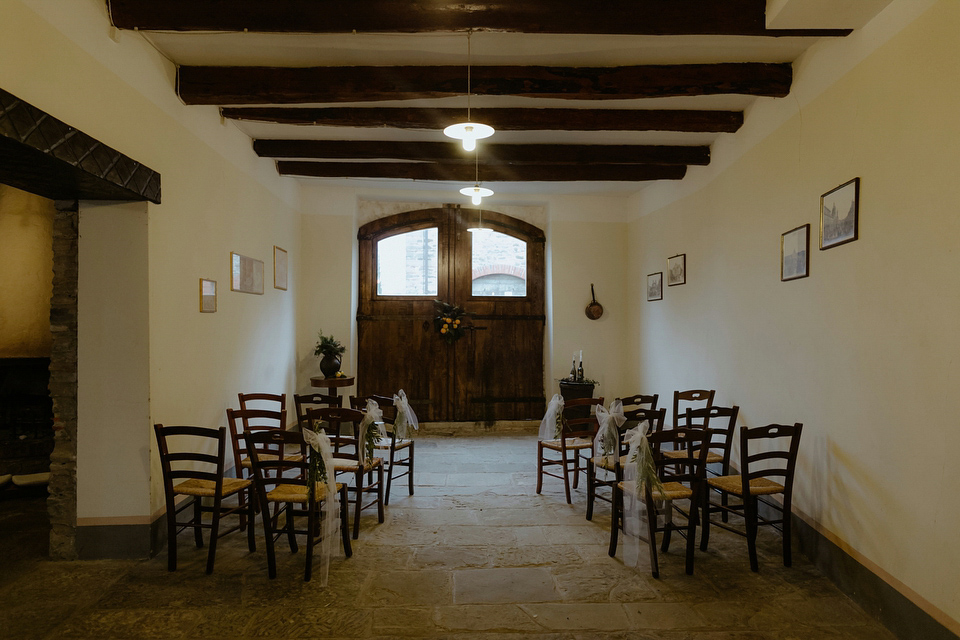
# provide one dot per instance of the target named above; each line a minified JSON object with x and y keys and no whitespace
{"x":409,"y":260}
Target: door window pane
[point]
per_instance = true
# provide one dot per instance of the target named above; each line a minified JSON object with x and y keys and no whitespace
{"x":407,"y":264}
{"x":499,"y":265}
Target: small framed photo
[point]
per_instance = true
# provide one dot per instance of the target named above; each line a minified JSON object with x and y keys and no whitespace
{"x":795,"y":253}
{"x":839,"y":214}
{"x":279,"y":268}
{"x":208,"y":296}
{"x":655,"y":286}
{"x":677,"y":270}
{"x":246,"y":274}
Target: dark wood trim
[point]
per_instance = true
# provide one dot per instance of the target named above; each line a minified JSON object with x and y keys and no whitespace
{"x":286,"y":85}
{"x":493,"y":154}
{"x":48,"y":157}
{"x":684,"y":120}
{"x":488,"y":173}
{"x":673,"y":17}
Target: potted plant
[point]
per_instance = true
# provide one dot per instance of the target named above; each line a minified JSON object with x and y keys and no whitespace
{"x":330,"y":349}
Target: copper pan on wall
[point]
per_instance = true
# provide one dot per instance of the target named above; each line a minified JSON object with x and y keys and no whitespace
{"x":594,"y":310}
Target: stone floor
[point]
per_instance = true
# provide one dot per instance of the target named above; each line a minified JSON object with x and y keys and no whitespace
{"x":475,"y":553}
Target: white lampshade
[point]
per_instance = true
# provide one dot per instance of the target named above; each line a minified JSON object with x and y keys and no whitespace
{"x":469,"y":133}
{"x":476,"y":192}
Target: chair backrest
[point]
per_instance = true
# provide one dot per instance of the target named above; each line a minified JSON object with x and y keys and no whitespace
{"x":344,"y":444}
{"x":190,"y":462}
{"x":640,"y":401}
{"x":576,"y":424}
{"x":243,"y":420}
{"x":774,"y":462}
{"x":721,"y":421}
{"x":268,"y":470}
{"x":695,"y":398}
{"x":313,"y":401}
{"x":271,"y":401}
{"x":689,"y":468}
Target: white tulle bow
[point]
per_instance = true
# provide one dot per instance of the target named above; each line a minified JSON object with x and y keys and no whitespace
{"x":372,"y":419}
{"x":330,"y":522}
{"x":406,"y":418}
{"x":550,"y":425}
{"x":607,"y":440}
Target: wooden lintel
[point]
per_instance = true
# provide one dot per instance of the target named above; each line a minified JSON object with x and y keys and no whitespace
{"x":685,"y":120}
{"x":300,"y":85}
{"x":629,"y":17}
{"x":490,"y":173}
{"x":492,"y":154}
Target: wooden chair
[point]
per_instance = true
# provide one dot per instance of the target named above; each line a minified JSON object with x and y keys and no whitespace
{"x":346,"y":458}
{"x":613,"y":464}
{"x":313,"y":401}
{"x":189,"y":472}
{"x":243,"y":420}
{"x":764,"y":471}
{"x":577,"y":436}
{"x":685,"y":484}
{"x":690,"y":399}
{"x":289,"y":492}
{"x":394,"y":446}
{"x":640,"y":401}
{"x":273,"y":401}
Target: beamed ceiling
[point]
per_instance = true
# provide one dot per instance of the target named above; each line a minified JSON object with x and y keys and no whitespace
{"x":600,"y":96}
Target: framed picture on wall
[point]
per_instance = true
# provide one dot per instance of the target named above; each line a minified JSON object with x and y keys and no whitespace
{"x":279,"y":268}
{"x":795,"y":253}
{"x":840,"y":214}
{"x":677,"y":270}
{"x":246,"y":274}
{"x":208,"y":296}
{"x":655,"y":286}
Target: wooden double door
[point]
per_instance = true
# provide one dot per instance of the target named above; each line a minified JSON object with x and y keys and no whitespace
{"x":493,"y":372}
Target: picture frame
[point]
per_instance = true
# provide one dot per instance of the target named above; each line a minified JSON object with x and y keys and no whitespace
{"x":208,"y":296}
{"x":840,"y":215}
{"x":246,"y":274}
{"x":279,"y":268}
{"x":795,"y":253}
{"x":677,"y":270}
{"x":655,"y":286}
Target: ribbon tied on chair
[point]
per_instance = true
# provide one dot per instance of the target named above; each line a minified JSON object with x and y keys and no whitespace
{"x":551,"y":426}
{"x":330,"y":523}
{"x":607,"y":441}
{"x":370,"y":431}
{"x":406,"y":418}
{"x":639,"y":472}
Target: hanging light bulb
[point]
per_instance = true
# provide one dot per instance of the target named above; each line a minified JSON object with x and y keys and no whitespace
{"x":476,"y":192}
{"x":468,"y":132}
{"x":479,"y":227}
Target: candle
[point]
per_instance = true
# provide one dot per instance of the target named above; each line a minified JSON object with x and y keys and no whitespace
{"x":581,"y":356}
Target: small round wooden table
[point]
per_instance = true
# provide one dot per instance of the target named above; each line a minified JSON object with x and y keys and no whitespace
{"x":333,"y":384}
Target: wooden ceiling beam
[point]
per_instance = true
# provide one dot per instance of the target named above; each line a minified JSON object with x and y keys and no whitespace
{"x":489,"y":173}
{"x":684,"y":120}
{"x":491,"y":154}
{"x":628,"y":17}
{"x":299,"y":85}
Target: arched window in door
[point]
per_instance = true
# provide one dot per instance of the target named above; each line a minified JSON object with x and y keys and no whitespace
{"x":495,"y":372}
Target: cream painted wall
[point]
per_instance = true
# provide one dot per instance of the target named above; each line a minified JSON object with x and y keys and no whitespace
{"x":26,"y":273}
{"x":864,"y":351}
{"x":218,"y":197}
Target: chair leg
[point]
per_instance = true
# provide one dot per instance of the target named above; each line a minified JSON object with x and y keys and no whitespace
{"x":268,"y":533}
{"x":668,"y":530}
{"x":345,"y":522}
{"x":214,"y":534}
{"x":197,"y":519}
{"x":410,"y":467}
{"x":750,"y":517}
{"x":652,"y":537}
{"x":705,"y":524}
{"x":576,"y":469}
{"x":692,"y":521}
{"x":539,"y":466}
{"x":380,"y":499}
{"x":250,"y":515}
{"x":291,"y":530}
{"x":359,"y":497}
{"x":312,"y":524}
{"x":566,"y":475}
{"x":591,"y":487}
{"x":616,"y":503}
{"x":390,"y":471}
{"x":787,"y":556}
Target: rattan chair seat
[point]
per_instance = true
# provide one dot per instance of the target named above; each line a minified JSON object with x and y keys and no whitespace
{"x":401,"y":444}
{"x":712,"y":457}
{"x":671,"y":491}
{"x":208,"y":488}
{"x":246,"y":464}
{"x":298,"y":492}
{"x":572,"y":443}
{"x":734,"y":485}
{"x":346,"y":464}
{"x":608,"y":462}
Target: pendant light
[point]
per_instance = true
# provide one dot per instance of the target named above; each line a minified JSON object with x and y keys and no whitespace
{"x":476,"y":192}
{"x":468,"y":132}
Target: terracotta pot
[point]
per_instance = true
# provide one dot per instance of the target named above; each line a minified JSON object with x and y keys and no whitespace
{"x":329,"y":365}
